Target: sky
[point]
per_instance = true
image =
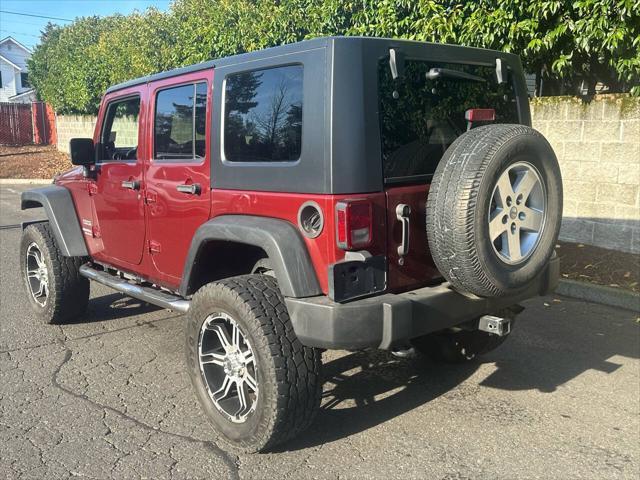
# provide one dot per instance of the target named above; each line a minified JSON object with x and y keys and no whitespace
{"x":26,"y":29}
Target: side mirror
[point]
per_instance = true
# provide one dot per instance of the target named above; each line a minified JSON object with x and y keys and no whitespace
{"x":82,"y":151}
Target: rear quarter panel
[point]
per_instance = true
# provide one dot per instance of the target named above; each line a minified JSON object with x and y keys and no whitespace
{"x":322,"y":249}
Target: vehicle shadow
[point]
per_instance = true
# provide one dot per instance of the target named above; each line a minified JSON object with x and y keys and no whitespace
{"x":113,"y":306}
{"x":365,"y":389}
{"x":573,"y":337}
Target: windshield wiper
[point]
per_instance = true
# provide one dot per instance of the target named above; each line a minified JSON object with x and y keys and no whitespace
{"x":446,"y":72}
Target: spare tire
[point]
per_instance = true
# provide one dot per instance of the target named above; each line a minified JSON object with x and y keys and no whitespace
{"x":494,"y":209}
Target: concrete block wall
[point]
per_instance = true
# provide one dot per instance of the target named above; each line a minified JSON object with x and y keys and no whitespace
{"x":73,"y":126}
{"x":598,"y":147}
{"x":79,"y":126}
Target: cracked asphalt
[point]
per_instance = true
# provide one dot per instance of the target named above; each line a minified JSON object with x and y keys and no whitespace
{"x":108,"y":397}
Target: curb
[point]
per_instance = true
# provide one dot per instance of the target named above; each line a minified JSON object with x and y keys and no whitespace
{"x":613,"y":297}
{"x":25,"y":181}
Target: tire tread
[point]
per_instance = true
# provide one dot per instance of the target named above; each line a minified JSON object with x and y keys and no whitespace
{"x":69,"y":296}
{"x":296,"y":369}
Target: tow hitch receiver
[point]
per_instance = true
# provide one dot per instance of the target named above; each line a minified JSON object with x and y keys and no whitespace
{"x":496,"y":325}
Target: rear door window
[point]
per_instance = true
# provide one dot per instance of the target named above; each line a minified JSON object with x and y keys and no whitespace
{"x":263,"y":115}
{"x":180,"y":120}
{"x":420,"y":118}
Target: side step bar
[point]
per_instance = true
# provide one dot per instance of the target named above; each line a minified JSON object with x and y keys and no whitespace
{"x":147,"y":294}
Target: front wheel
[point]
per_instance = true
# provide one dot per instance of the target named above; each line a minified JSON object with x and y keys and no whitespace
{"x":257,"y":384}
{"x":55,"y":289}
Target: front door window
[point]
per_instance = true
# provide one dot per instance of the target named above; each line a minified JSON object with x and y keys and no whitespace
{"x":119,"y":139}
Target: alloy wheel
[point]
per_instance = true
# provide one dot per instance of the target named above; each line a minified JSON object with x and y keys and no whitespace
{"x":37,"y":274}
{"x":228,"y":367}
{"x":517,"y":213}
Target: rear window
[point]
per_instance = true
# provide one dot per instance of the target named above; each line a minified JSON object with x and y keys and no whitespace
{"x":263,"y":115}
{"x":180,"y":121}
{"x":420,"y":118}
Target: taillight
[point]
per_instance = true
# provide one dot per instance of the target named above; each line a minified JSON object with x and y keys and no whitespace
{"x":354,"y":224}
{"x":480,"y":115}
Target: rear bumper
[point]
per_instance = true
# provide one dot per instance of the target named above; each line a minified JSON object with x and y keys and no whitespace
{"x":388,"y":320}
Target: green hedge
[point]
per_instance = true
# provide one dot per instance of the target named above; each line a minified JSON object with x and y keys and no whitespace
{"x":568,"y":41}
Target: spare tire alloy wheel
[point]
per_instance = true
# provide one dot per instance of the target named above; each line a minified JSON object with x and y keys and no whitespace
{"x":228,"y":368}
{"x":517,"y":213}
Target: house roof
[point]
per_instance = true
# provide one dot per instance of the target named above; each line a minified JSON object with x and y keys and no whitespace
{"x":4,"y":59}
{"x":22,"y":94}
{"x":13,"y":40}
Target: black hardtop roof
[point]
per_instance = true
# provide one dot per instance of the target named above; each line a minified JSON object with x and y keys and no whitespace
{"x":277,"y":51}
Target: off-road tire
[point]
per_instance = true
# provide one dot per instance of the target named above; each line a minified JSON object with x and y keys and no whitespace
{"x":459,"y":199}
{"x":68,"y":291}
{"x":289,"y":373}
{"x":460,"y":346}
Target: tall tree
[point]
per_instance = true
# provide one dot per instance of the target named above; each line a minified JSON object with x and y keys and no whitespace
{"x":568,"y":43}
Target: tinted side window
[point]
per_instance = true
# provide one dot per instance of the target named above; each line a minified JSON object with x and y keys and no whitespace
{"x":180,"y":121}
{"x":263,"y":115}
{"x":119,"y":139}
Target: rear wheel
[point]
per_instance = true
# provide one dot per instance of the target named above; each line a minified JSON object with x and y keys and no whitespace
{"x":55,"y":289}
{"x":258,"y":385}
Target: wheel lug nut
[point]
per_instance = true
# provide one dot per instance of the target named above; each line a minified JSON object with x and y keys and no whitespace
{"x":521,"y":216}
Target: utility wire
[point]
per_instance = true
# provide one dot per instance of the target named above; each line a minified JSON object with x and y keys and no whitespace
{"x":12,"y":21}
{"x":19,"y":33}
{"x":37,"y":16}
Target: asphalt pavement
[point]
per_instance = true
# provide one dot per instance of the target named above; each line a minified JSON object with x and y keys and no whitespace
{"x":108,"y":397}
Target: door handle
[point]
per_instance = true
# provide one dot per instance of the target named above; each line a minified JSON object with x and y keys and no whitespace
{"x":402,"y":214}
{"x":131,"y":184}
{"x":189,"y":188}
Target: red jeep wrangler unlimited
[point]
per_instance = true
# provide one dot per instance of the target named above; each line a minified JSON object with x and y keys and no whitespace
{"x":338,"y":193}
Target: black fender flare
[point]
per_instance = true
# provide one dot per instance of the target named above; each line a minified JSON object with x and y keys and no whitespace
{"x":280,"y":240}
{"x":62,"y":216}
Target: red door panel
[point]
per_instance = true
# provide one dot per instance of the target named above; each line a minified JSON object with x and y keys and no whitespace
{"x":120,"y":212}
{"x":119,"y":217}
{"x":178,"y":191}
{"x":174,"y":216}
{"x":417,"y":269}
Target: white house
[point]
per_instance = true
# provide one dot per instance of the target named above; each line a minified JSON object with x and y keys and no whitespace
{"x":14,"y":78}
